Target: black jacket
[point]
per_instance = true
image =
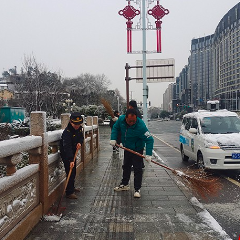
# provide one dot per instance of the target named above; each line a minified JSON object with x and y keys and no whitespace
{"x":111,"y":123}
{"x":69,"y":140}
{"x":138,"y":112}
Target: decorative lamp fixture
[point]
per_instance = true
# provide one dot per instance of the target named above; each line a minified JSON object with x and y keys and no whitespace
{"x":158,"y":12}
{"x":129,"y":12}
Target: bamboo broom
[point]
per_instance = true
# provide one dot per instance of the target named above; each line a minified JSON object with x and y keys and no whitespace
{"x":107,"y":106}
{"x":55,"y":214}
{"x":204,"y":184}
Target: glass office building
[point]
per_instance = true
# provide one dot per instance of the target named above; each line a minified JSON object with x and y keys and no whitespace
{"x":201,"y":70}
{"x":227,"y":59}
{"x":213,"y":70}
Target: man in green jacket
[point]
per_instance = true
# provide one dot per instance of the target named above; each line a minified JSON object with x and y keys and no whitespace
{"x":135,"y":136}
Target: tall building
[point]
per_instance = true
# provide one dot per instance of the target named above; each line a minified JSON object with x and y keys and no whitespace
{"x":213,"y":70}
{"x":184,"y":85}
{"x":227,"y":59}
{"x":201,"y":70}
{"x":167,"y":98}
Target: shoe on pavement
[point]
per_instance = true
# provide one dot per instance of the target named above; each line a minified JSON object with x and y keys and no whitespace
{"x":137,"y":194}
{"x":76,"y":190}
{"x":72,"y":196}
{"x":122,"y":187}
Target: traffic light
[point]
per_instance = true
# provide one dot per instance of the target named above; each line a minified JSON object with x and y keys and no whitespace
{"x":149,"y":103}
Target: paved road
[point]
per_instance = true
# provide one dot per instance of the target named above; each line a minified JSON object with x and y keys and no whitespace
{"x":225,"y":208}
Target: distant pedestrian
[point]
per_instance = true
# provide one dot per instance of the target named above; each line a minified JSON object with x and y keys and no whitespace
{"x":112,"y":122}
{"x":135,"y":136}
{"x":71,"y":140}
{"x":133,"y":105}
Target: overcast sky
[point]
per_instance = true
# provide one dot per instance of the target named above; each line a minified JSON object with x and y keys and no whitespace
{"x":76,"y":36}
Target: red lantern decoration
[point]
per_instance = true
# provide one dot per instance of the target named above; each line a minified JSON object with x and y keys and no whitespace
{"x":158,"y":12}
{"x":129,"y":12}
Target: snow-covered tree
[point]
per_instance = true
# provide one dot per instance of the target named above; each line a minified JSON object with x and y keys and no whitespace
{"x":39,"y":89}
{"x":87,"y":88}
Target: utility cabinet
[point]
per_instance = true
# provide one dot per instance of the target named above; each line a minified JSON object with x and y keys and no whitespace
{"x":9,"y":114}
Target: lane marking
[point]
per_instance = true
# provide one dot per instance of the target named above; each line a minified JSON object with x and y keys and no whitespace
{"x":165,"y":143}
{"x":227,"y":178}
{"x":233,"y":181}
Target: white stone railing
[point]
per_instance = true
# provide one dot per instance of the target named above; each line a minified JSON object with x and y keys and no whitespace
{"x":28,"y":193}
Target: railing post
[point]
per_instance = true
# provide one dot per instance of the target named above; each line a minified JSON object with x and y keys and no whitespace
{"x":38,"y":128}
{"x":65,"y":117}
{"x":95,"y":122}
{"x":90,"y":123}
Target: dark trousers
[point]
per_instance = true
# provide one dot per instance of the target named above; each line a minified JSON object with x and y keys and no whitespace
{"x":130,"y":160}
{"x":70,"y":187}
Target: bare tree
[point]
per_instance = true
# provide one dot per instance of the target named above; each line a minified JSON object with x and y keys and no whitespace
{"x":39,"y":89}
{"x":87,"y":88}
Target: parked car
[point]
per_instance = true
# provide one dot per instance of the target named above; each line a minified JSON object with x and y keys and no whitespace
{"x":211,"y":138}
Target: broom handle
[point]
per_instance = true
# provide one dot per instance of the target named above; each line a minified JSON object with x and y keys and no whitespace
{"x":139,"y":154}
{"x":68,"y":177}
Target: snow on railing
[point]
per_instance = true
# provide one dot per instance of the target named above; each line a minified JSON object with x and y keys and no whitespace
{"x":29,"y":192}
{"x":17,"y":145}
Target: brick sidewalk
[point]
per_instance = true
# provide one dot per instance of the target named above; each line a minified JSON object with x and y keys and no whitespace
{"x":164,"y":212}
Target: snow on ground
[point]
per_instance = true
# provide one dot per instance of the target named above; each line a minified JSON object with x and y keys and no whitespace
{"x":206,"y":217}
{"x":208,"y":222}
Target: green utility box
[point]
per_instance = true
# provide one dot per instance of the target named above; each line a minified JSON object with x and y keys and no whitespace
{"x":9,"y":114}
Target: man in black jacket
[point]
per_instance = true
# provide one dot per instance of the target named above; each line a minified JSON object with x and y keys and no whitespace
{"x":133,"y":105}
{"x":71,"y":140}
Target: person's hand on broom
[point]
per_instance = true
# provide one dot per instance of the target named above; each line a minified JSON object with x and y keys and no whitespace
{"x":71,"y":164}
{"x":113,"y":142}
{"x":148,"y":158}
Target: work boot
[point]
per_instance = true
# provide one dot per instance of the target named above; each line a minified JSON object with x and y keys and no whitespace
{"x":137,"y":194}
{"x":72,"y":196}
{"x":76,"y":190}
{"x":122,"y":187}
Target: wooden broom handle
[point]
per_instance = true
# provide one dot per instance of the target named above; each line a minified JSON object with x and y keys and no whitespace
{"x":66,"y":183}
{"x":139,"y":154}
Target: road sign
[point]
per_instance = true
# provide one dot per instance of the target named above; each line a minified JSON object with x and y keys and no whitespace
{"x":158,"y":70}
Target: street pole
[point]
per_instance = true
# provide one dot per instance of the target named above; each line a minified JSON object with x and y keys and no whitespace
{"x":127,"y":83}
{"x":118,"y":103}
{"x":36,"y":96}
{"x":144,"y":62}
{"x":236,"y":100}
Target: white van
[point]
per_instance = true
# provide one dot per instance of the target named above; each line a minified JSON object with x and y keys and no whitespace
{"x":211,"y":138}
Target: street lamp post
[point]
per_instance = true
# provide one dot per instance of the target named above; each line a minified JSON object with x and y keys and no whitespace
{"x":118,"y":103}
{"x":68,"y":103}
{"x":129,"y":12}
{"x":236,"y":107}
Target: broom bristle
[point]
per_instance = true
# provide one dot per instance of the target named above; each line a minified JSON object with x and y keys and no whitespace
{"x":108,"y":107}
{"x":202,"y":183}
